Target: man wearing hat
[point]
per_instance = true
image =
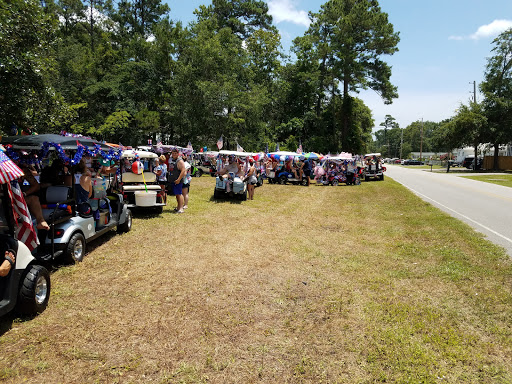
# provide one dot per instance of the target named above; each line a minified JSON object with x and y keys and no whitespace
{"x":177,"y":172}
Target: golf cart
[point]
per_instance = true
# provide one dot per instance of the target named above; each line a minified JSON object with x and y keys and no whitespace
{"x":281,"y":175}
{"x":26,"y":288}
{"x":204,"y":162}
{"x":71,"y":226}
{"x":140,"y":190}
{"x":374,"y":169}
{"x":233,"y":186}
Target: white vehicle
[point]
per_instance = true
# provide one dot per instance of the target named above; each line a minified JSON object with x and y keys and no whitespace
{"x":237,"y":188}
{"x":374,"y":170}
{"x":71,"y":226}
{"x":141,"y":190}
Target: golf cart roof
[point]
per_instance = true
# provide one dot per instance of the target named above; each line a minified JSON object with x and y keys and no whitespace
{"x":34,"y":142}
{"x":373,"y":154}
{"x":235,"y":153}
{"x":130,"y":154}
{"x":285,"y":153}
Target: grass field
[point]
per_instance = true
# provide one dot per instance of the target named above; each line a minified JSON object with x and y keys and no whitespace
{"x":505,"y":180}
{"x":360,"y":284}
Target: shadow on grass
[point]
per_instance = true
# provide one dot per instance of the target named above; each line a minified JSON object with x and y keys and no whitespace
{"x":230,"y":200}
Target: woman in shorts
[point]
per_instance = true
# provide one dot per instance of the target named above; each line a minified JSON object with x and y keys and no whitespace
{"x":186,"y":182}
{"x":251,"y":179}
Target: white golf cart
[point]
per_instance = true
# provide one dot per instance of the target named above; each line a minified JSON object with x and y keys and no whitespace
{"x":141,"y":190}
{"x":373,"y":167}
{"x":232,"y":186}
{"x":71,"y":227}
{"x":26,"y":288}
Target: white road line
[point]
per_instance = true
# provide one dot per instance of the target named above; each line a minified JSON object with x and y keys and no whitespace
{"x":464,"y":216}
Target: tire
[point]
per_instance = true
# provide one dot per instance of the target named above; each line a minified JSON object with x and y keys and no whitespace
{"x":243,"y":196}
{"x":217,"y":194}
{"x":282,"y":180}
{"x":127,"y":225}
{"x":335,"y":183}
{"x":304,"y":182}
{"x":75,"y":250}
{"x":34,"y":291}
{"x":159,"y":210}
{"x":366,"y":178}
{"x":199,"y":172}
{"x":381,"y":177}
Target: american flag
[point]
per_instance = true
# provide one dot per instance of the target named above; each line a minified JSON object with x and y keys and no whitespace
{"x":189,"y":146}
{"x":277,"y":147}
{"x":220,"y":143}
{"x":239,"y":148}
{"x":299,"y":150}
{"x":8,"y":170}
{"x":24,"y":230}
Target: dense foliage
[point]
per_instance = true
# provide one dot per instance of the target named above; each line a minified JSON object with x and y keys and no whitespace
{"x":125,"y":71}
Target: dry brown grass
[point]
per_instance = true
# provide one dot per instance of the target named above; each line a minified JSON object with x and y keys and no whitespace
{"x":302,"y":285}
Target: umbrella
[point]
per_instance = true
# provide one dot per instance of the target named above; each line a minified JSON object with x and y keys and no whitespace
{"x":313,"y":156}
{"x":8,"y":170}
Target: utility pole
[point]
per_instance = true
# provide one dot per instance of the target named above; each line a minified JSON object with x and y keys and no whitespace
{"x":401,"y":141}
{"x":474,"y":91}
{"x":421,"y":140}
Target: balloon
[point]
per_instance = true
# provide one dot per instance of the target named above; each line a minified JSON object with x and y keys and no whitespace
{"x":137,"y":167}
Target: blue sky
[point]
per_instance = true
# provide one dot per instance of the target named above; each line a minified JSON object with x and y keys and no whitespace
{"x":443,"y":49}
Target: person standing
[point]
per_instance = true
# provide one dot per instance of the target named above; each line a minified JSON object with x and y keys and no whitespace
{"x":161,"y":175}
{"x":177,"y":173}
{"x":186,"y":181}
{"x":306,"y":169}
{"x":251,"y":179}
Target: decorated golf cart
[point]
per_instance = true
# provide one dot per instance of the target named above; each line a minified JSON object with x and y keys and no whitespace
{"x":72,"y":226}
{"x":373,"y":167}
{"x":282,"y":164}
{"x":231,"y":185}
{"x":26,"y":287}
{"x":138,"y":184}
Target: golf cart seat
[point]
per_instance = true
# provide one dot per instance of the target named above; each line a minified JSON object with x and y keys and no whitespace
{"x":57,"y":207}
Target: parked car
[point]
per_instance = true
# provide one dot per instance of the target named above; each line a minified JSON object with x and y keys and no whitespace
{"x":412,"y":162}
{"x":470,"y":160}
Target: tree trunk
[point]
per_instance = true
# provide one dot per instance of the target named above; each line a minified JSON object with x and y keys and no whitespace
{"x":476,"y":157}
{"x":347,"y":110}
{"x":495,"y":164}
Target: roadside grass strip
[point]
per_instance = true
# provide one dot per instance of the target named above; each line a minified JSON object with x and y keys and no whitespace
{"x":505,"y":179}
{"x":347,"y":284}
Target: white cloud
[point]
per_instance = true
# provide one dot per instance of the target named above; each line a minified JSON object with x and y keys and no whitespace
{"x":285,"y":10}
{"x":492,"y":29}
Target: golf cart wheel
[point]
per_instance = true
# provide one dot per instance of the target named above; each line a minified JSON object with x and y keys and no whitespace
{"x":304,"y":182}
{"x":243,"y":196}
{"x":335,"y":183}
{"x":217,"y":194}
{"x":75,"y":250}
{"x":199,"y":172}
{"x":127,"y":225}
{"x":159,"y":210}
{"x":366,"y":178}
{"x":34,"y":291}
{"x":381,"y":177}
{"x":283,"y":180}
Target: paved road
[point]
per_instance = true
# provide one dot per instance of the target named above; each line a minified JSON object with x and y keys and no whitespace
{"x":486,"y":207}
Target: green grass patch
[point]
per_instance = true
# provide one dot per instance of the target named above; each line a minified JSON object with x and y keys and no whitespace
{"x":347,"y":284}
{"x":500,"y":179}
